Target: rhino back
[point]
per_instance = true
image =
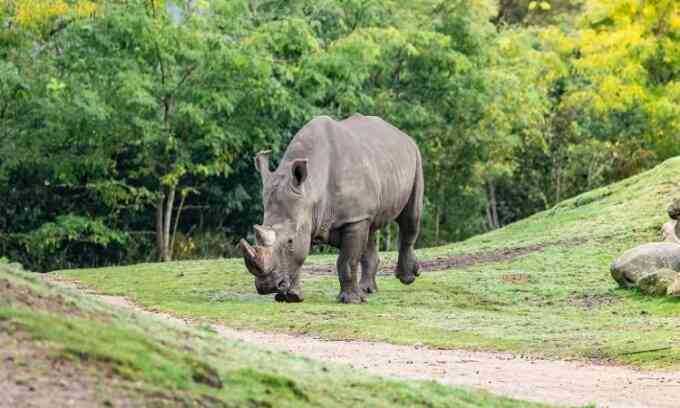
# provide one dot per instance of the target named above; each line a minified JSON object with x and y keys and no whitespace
{"x":360,"y":168}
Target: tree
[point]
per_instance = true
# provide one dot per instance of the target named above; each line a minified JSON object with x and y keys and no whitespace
{"x":169,"y":103}
{"x":630,"y":56}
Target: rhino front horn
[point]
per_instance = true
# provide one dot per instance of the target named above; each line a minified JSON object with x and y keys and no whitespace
{"x":253,"y":257}
{"x":248,"y":251}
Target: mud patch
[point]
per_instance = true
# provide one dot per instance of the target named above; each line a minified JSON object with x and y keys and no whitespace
{"x":593,"y":300}
{"x":515,"y":278}
{"x":444,"y":263}
{"x":12,"y":294}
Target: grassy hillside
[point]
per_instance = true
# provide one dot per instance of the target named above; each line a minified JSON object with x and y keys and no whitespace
{"x":555,"y":298}
{"x":51,"y":338}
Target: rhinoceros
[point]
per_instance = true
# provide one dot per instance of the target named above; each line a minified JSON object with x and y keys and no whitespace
{"x":338,"y":183}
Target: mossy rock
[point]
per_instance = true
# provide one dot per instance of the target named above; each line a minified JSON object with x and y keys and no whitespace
{"x":674,"y":288}
{"x":658,"y":282}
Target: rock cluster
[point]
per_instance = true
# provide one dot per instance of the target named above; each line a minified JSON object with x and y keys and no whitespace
{"x":653,"y":268}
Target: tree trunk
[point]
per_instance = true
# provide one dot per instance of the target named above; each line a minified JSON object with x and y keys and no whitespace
{"x":167,"y":222}
{"x":174,"y":228}
{"x":159,"y":227}
{"x":558,"y":183}
{"x":436,"y":225}
{"x":489,"y":218}
{"x":164,"y":239}
{"x":493,"y":205}
{"x":504,"y":11}
{"x":438,"y":207}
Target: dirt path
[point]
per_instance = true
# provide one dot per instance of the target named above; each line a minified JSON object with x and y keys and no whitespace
{"x":522,"y":377}
{"x":443,"y":263}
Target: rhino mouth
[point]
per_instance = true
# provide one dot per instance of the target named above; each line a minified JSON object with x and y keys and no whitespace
{"x":267,"y":281}
{"x":289,"y":297}
{"x":270,"y":276}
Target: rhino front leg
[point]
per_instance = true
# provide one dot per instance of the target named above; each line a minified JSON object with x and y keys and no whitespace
{"x":294,"y":294}
{"x":369,"y":265}
{"x":353,"y":243}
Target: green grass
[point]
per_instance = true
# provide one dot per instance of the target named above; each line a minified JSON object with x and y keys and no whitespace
{"x":569,"y":307}
{"x":193,"y":366}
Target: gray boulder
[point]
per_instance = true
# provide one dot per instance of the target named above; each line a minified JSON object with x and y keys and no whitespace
{"x":657,"y":283}
{"x":642,"y":260}
{"x":674,"y":288}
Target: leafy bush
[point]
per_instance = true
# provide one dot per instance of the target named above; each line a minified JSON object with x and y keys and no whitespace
{"x":72,"y":240}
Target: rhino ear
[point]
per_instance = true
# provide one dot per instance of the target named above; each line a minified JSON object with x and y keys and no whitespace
{"x":262,"y":163}
{"x":299,"y":172}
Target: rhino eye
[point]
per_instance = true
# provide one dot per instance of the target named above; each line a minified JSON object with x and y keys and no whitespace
{"x":290,"y":244}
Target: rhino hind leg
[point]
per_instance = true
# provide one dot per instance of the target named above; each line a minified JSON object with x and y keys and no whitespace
{"x":352,"y":246}
{"x":409,"y":226}
{"x":369,"y":265}
{"x":407,"y":266}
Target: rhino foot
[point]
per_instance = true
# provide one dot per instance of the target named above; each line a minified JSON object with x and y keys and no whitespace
{"x":351,"y":297}
{"x":368,"y":286}
{"x":407,"y":267}
{"x":409,"y":274}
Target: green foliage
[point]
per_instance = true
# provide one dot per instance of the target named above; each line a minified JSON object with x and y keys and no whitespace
{"x":71,"y":240}
{"x":70,"y":228}
{"x":122,"y":112}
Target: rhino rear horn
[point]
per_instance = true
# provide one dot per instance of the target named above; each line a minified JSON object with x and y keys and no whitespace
{"x":264,"y":236}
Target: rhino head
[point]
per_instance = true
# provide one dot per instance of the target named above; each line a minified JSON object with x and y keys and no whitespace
{"x":283,"y":241}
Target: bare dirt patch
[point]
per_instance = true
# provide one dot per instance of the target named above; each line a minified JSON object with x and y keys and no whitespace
{"x":444,"y":263}
{"x":515,"y":278}
{"x":32,"y":376}
{"x":593,"y":300}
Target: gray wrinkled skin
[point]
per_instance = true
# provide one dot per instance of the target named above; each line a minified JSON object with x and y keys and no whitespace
{"x":338,"y":183}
